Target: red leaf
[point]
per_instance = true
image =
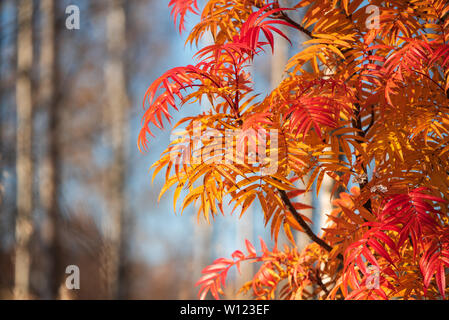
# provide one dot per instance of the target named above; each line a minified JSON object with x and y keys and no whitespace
{"x":180,"y":10}
{"x":250,"y":248}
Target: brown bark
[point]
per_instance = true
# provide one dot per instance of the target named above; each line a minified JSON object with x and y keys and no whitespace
{"x":1,"y":102}
{"x":117,"y":105}
{"x":24,"y":163}
{"x":51,"y":179}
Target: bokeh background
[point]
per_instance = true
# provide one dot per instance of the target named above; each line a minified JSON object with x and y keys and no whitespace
{"x":75,"y":190}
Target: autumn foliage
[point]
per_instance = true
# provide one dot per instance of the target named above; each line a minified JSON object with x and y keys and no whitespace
{"x":368,"y":107}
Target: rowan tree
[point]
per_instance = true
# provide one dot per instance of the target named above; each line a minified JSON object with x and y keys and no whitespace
{"x":365,"y":102}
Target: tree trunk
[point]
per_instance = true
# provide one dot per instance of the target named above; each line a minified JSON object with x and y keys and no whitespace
{"x":327,"y":185}
{"x":1,"y":103}
{"x":51,"y":179}
{"x":245,"y":230}
{"x":117,"y":124}
{"x":279,"y":59}
{"x":278,"y":63}
{"x":325,"y":201}
{"x":24,"y":163}
{"x":202,"y":248}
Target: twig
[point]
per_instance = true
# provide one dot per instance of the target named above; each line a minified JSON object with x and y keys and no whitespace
{"x":304,"y":224}
{"x":282,"y":15}
{"x":286,"y":18}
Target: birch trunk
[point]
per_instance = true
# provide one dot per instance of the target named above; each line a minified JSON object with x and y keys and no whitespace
{"x":324,"y":199}
{"x":278,"y":63}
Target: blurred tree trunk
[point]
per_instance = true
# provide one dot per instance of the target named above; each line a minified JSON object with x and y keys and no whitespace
{"x":279,"y":59}
{"x":302,"y":240}
{"x":117,"y":106}
{"x":24,"y":163}
{"x":327,"y":185}
{"x":245,"y":230}
{"x":278,"y":62}
{"x":51,"y":179}
{"x":1,"y":77}
{"x":325,"y":201}
{"x":202,"y":249}
{"x":2,"y":156}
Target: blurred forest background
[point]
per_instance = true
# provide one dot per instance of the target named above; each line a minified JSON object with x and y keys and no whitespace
{"x":74,"y":188}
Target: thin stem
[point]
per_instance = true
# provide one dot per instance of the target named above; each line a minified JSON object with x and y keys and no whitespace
{"x":304,"y":224}
{"x":320,"y":282}
{"x":282,"y":15}
{"x":286,"y":18}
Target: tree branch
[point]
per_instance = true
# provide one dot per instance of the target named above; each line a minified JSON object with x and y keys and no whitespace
{"x":282,"y":15}
{"x":304,"y":224}
{"x":320,"y":282}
